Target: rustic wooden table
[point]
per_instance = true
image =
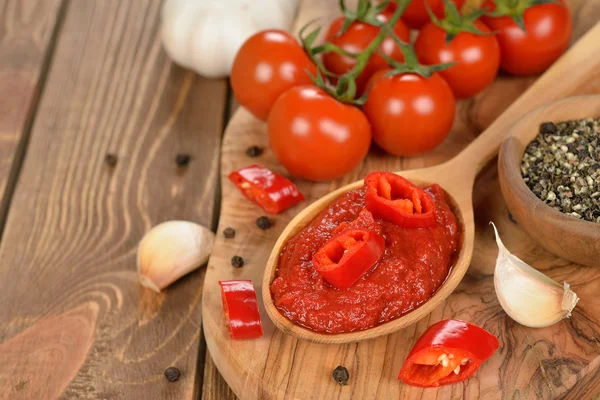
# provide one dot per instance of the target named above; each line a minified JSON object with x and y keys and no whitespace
{"x":80,"y":79}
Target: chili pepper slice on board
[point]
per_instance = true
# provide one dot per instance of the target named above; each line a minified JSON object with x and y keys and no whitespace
{"x":449,"y":351}
{"x":393,"y":198}
{"x":269,"y":190}
{"x":241,"y":309}
{"x":344,"y":258}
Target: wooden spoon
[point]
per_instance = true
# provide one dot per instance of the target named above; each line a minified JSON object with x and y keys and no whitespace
{"x":569,"y":75}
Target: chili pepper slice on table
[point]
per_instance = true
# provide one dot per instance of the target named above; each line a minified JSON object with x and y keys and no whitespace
{"x":449,"y":351}
{"x":395,"y":199}
{"x":344,"y":258}
{"x":241,"y":309}
{"x":269,"y":190}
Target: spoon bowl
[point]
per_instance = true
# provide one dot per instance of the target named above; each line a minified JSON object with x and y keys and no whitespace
{"x":571,"y":74}
{"x":564,"y":235}
{"x":459,"y":199}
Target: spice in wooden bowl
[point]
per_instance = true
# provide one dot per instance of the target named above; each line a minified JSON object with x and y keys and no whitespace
{"x":561,"y":167}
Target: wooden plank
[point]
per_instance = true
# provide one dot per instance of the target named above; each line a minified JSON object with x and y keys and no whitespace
{"x":542,"y":363}
{"x":214,"y":387}
{"x":75,"y":321}
{"x":28,"y":30}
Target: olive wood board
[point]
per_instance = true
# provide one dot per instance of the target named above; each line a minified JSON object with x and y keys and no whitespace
{"x":562,"y":361}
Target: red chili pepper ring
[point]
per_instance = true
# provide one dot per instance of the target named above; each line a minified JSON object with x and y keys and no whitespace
{"x":449,"y":351}
{"x":344,"y":258}
{"x":393,"y":198}
{"x":271,"y":191}
{"x":241,"y":309}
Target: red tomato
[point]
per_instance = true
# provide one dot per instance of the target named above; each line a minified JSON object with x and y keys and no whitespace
{"x":409,"y":114}
{"x":355,"y":40}
{"x":478,"y":57}
{"x":416,"y":15}
{"x":548,"y":33}
{"x":315,"y":136}
{"x":268,"y":63}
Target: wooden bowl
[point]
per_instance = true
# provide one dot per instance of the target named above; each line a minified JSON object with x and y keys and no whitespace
{"x":566,"y":236}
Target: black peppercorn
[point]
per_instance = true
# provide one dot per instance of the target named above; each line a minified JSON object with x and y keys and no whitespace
{"x":254,"y":151}
{"x":561,"y":167}
{"x":237,"y":262}
{"x":182,"y":159}
{"x":263,"y":223}
{"x":229,"y":233}
{"x":548,"y":127}
{"x":341,"y":376}
{"x":110,"y":159}
{"x":172,"y":374}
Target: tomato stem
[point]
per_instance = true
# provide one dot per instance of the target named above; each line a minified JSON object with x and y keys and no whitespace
{"x":307,"y":42}
{"x":515,"y":9}
{"x":330,"y":47}
{"x":363,"y":58}
{"x":411,"y":63}
{"x":365,"y":12}
{"x":454,"y":23}
{"x":346,"y":89}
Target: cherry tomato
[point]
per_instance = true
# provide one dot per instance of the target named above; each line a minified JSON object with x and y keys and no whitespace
{"x":315,"y":136}
{"x":356,"y":39}
{"x":548,"y":31}
{"x":478,"y":57}
{"x":409,"y":114}
{"x":416,"y":15}
{"x":268,"y":63}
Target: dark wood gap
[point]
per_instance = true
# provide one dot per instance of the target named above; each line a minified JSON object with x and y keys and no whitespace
{"x":227,"y":114}
{"x":203,"y":354}
{"x":206,"y":368}
{"x":21,"y":149}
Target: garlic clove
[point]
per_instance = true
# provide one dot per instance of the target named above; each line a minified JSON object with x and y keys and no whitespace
{"x":171,"y":250}
{"x":528,"y":296}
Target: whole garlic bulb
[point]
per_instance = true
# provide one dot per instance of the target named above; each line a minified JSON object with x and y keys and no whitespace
{"x":205,"y":35}
{"x":171,"y":250}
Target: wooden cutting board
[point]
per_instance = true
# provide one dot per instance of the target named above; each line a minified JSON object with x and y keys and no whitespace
{"x":562,"y":360}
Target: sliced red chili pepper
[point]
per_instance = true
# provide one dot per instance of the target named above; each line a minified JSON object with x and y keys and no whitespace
{"x":241,"y":309}
{"x":393,"y":198}
{"x":271,"y":191}
{"x":347,"y":256}
{"x":449,"y":351}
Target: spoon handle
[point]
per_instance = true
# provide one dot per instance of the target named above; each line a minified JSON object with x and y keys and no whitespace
{"x":570,"y":75}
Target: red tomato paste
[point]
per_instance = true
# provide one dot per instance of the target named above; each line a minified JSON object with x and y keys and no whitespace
{"x":413,"y":266}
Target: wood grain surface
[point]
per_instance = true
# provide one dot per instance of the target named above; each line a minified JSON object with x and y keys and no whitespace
{"x":28,"y":30}
{"x":74,"y":321}
{"x":542,"y":363}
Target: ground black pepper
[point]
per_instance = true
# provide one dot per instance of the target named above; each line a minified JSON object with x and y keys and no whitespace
{"x":229,"y":233}
{"x":111,"y":160}
{"x":254,"y":151}
{"x":237,"y":262}
{"x":341,"y":375}
{"x":172,"y":374}
{"x":182,"y":159}
{"x":561,"y":167}
{"x":263,"y":222}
